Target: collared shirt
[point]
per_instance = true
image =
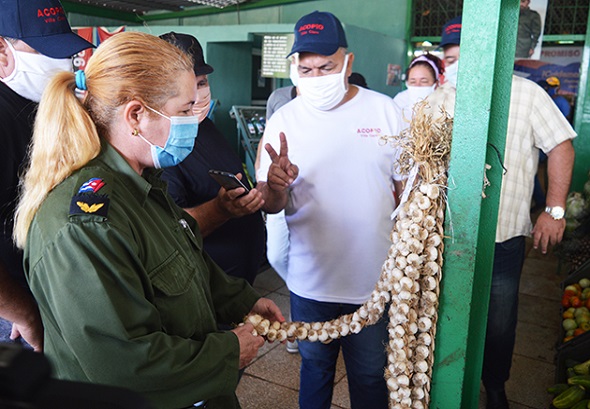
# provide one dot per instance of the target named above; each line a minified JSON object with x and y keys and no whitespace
{"x":534,"y":122}
{"x":127,"y":295}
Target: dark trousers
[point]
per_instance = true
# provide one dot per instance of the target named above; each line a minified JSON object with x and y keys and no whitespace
{"x":502,"y":313}
{"x":5,"y":330}
{"x":364,"y":357}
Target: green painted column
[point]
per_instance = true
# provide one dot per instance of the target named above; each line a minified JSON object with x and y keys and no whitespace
{"x":582,"y":120}
{"x":409,"y":31}
{"x":479,"y":135}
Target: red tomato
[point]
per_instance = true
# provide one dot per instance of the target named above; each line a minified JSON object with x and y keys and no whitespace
{"x":576,"y":302}
{"x":565,"y":302}
{"x":578,"y":331}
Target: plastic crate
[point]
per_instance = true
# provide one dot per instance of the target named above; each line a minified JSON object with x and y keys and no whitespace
{"x":581,"y":272}
{"x":578,"y":351}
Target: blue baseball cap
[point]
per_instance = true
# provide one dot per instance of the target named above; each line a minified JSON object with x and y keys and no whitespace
{"x":451,"y":33}
{"x":41,"y":24}
{"x":319,"y":32}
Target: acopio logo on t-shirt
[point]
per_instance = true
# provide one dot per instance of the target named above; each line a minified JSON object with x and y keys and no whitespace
{"x":369,"y":132}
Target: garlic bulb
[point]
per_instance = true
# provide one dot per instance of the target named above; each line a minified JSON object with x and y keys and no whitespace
{"x":355,"y":327}
{"x":312,"y":335}
{"x":316,"y":325}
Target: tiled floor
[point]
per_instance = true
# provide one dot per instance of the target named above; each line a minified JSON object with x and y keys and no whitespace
{"x":271,"y":381}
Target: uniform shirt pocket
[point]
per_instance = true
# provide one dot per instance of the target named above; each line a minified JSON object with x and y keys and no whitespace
{"x":181,"y":298}
{"x":173,"y":276}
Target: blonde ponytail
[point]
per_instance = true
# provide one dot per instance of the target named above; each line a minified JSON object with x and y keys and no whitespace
{"x":64,"y":140}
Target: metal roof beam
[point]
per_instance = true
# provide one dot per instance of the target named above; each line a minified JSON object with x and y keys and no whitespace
{"x":214,"y":10}
{"x":127,"y":16}
{"x":96,"y":11}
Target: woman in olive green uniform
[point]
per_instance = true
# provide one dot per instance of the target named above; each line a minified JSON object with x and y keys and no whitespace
{"x":126,"y":294}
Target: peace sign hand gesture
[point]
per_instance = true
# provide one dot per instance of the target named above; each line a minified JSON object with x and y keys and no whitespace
{"x":281,"y":172}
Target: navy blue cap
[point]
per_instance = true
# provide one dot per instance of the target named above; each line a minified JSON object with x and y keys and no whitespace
{"x":41,"y":24}
{"x":191,"y":46}
{"x":319,"y":32}
{"x":451,"y":33}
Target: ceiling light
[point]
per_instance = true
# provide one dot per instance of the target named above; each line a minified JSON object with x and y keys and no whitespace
{"x":218,"y":3}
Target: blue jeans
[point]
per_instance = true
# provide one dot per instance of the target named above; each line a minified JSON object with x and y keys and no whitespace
{"x":364,"y":356}
{"x":5,"y":330}
{"x":502,"y":313}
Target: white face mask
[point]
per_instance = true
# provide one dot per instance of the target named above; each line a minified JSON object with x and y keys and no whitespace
{"x":324,"y":92}
{"x":202,"y":106}
{"x":418,"y":94}
{"x":32,"y":72}
{"x":293,"y":74}
{"x":451,"y":73}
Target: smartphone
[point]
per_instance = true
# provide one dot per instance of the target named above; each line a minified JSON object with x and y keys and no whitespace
{"x":227,"y":180}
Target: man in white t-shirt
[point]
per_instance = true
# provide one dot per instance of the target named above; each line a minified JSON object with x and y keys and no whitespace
{"x":328,"y":168}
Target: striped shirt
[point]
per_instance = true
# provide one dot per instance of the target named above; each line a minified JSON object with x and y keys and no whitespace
{"x":534,"y":123}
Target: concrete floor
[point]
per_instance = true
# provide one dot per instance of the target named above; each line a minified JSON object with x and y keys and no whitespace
{"x":271,"y":381}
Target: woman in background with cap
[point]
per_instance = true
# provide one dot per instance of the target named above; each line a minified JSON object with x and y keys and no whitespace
{"x":422,"y":78}
{"x":231,"y":224}
{"x":127,"y":295}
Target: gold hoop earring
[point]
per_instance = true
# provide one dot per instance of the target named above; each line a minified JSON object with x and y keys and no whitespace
{"x":135,"y":132}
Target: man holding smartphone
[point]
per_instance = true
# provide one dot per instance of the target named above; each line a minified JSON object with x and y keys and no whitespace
{"x":338,"y":231}
{"x":229,"y":220}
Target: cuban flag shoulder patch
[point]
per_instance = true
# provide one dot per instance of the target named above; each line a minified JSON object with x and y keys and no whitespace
{"x":93,"y":185}
{"x":89,"y":201}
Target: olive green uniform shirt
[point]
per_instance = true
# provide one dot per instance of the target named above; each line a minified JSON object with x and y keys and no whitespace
{"x":127,"y":296}
{"x":529,"y":30}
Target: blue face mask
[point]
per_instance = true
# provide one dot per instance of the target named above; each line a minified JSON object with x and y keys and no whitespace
{"x":180,"y":143}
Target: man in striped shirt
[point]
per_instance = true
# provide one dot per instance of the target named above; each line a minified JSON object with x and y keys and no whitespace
{"x":534,"y":123}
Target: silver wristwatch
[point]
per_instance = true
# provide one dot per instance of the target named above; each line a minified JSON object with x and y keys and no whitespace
{"x":557,"y":212}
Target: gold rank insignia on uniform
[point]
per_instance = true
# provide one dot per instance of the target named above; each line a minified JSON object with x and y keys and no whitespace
{"x":89,"y":208}
{"x":88,"y":200}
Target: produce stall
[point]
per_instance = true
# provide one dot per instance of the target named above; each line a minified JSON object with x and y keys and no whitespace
{"x":572,"y":374}
{"x":574,"y":250}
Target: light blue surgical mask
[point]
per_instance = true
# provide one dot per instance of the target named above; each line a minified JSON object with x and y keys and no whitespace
{"x":180,"y":143}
